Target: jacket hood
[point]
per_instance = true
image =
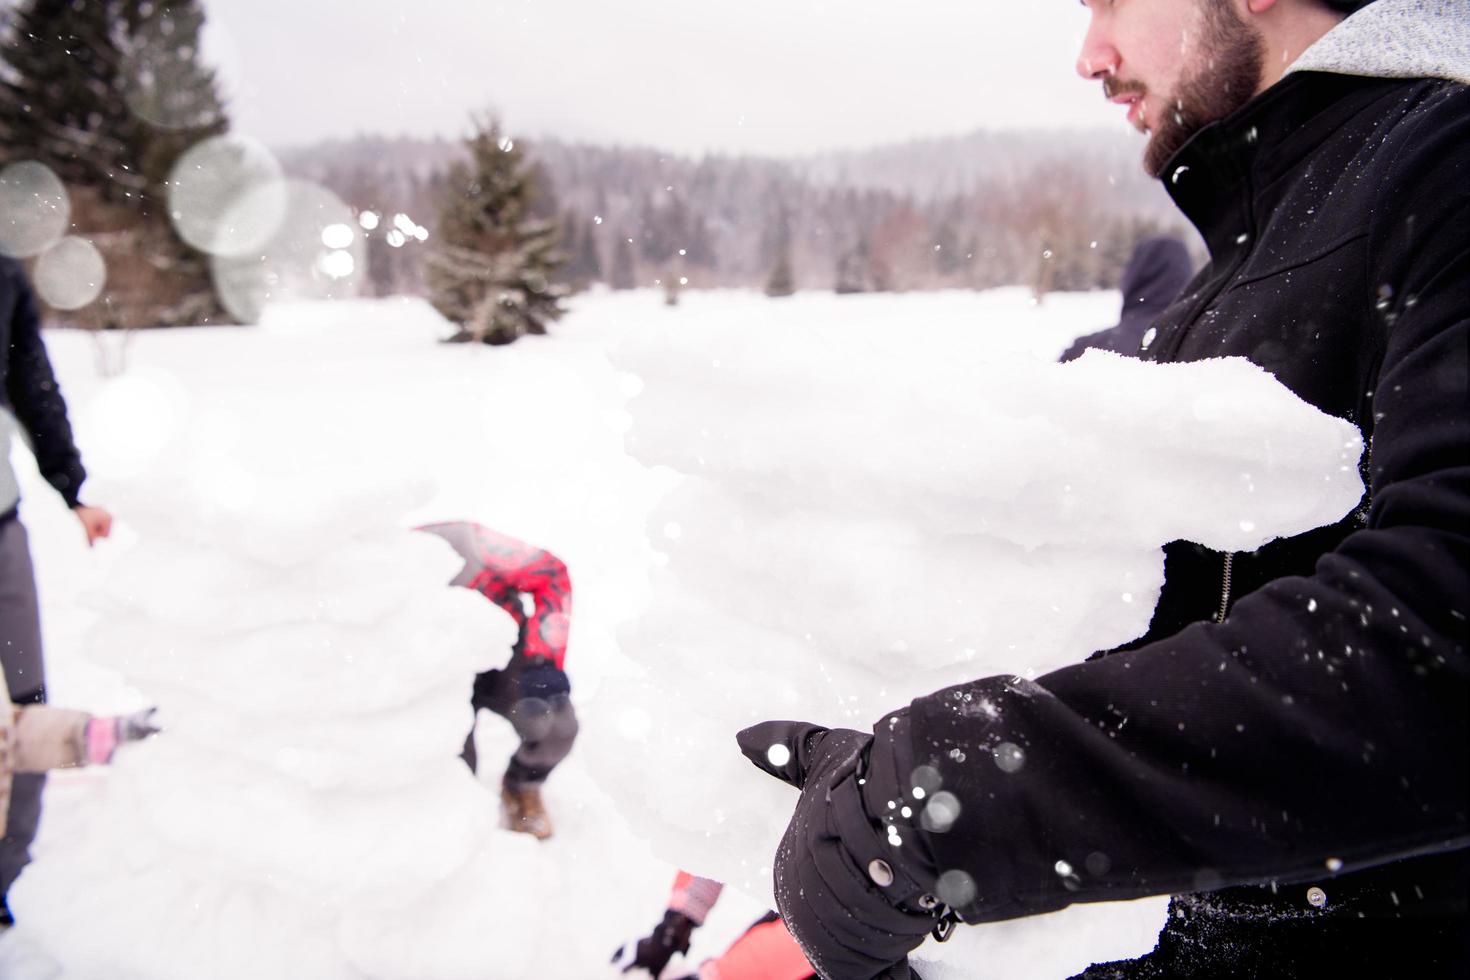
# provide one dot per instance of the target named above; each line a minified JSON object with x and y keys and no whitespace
{"x":1397,"y":39}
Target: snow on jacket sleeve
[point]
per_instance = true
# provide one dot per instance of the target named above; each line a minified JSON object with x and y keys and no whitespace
{"x":1322,"y":725}
{"x":35,"y":397}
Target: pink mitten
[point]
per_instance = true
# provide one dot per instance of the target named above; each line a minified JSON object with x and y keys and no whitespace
{"x":104,"y":735}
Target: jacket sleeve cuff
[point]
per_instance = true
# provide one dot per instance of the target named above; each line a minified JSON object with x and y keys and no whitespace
{"x":69,"y":485}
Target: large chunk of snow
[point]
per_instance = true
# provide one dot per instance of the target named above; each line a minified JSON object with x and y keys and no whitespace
{"x":869,"y":514}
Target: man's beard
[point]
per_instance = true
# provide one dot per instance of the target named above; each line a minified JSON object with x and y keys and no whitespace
{"x":1231,"y":54}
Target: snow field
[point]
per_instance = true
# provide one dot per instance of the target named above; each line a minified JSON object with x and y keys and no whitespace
{"x":833,"y":504}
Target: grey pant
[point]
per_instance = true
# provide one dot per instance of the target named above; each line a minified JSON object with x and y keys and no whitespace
{"x":547,"y":724}
{"x":547,"y":730}
{"x":25,"y":675}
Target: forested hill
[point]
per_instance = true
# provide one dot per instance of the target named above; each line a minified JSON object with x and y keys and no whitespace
{"x":1053,"y":210}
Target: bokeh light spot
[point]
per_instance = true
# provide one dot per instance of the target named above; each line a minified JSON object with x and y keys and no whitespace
{"x":70,"y":274}
{"x":35,"y":209}
{"x":955,"y":888}
{"x":227,"y":195}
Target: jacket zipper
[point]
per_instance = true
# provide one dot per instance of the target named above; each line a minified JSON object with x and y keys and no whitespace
{"x":1225,"y":587}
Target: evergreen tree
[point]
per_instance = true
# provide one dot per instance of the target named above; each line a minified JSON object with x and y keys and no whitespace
{"x":949,"y":257}
{"x":166,"y":84}
{"x":660,"y":231}
{"x":624,"y":272}
{"x":701,"y":249}
{"x":583,"y":266}
{"x":589,"y":262}
{"x":109,"y":94}
{"x":852,"y":269}
{"x":61,"y":95}
{"x":782,"y":281}
{"x":494,"y":269}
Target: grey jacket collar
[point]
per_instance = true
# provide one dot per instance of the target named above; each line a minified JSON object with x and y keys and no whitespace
{"x":1397,"y":39}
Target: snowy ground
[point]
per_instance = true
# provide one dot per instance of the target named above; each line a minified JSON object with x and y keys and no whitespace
{"x":304,"y":816}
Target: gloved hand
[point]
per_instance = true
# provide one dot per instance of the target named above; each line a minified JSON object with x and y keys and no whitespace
{"x":654,"y":952}
{"x":856,"y":902}
{"x":104,"y":735}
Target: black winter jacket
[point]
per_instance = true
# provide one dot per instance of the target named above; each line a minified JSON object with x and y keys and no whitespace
{"x":29,"y":386}
{"x":1316,"y":735}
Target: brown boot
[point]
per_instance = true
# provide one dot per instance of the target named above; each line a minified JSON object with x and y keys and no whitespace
{"x":521,"y":810}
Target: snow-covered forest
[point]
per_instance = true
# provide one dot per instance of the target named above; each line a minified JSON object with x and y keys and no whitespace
{"x":985,"y":210}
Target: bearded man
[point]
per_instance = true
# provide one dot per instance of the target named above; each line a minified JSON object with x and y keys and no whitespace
{"x":1286,"y":750}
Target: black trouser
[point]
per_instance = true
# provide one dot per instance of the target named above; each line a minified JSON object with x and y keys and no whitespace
{"x":25,"y":676}
{"x":535,"y":697}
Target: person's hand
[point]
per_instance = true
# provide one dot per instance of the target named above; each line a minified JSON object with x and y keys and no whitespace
{"x":138,"y":725}
{"x":96,"y":521}
{"x":848,"y":894}
{"x":653,"y":952}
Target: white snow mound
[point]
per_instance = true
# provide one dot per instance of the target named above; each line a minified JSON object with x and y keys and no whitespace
{"x":862,"y":522}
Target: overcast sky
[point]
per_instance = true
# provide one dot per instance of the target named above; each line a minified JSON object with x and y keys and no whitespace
{"x":757,"y":76}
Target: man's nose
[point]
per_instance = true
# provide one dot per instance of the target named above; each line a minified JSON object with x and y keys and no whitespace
{"x":1098,"y":58}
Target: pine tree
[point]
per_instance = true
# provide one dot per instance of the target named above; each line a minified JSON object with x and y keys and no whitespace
{"x":61,"y":95}
{"x":109,"y":94}
{"x":493,"y":271}
{"x":583,"y":266}
{"x":624,"y":271}
{"x":166,"y":84}
{"x":659,"y":231}
{"x":782,"y":281}
{"x":588,"y":259}
{"x":701,"y":249}
{"x":852,"y":269}
{"x":949,"y":258}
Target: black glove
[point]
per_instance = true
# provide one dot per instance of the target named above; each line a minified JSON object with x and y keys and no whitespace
{"x":654,"y":952}
{"x":857,"y":902}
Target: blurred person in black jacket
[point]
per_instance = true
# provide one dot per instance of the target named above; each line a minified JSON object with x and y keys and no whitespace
{"x":1157,"y":270}
{"x":32,"y":399}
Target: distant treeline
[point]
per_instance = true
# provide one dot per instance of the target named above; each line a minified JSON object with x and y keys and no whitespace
{"x":1053,"y":211}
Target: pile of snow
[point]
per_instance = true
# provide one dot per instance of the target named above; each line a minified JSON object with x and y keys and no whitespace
{"x":869,"y":515}
{"x":306,"y":813}
{"x":307,"y":790}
